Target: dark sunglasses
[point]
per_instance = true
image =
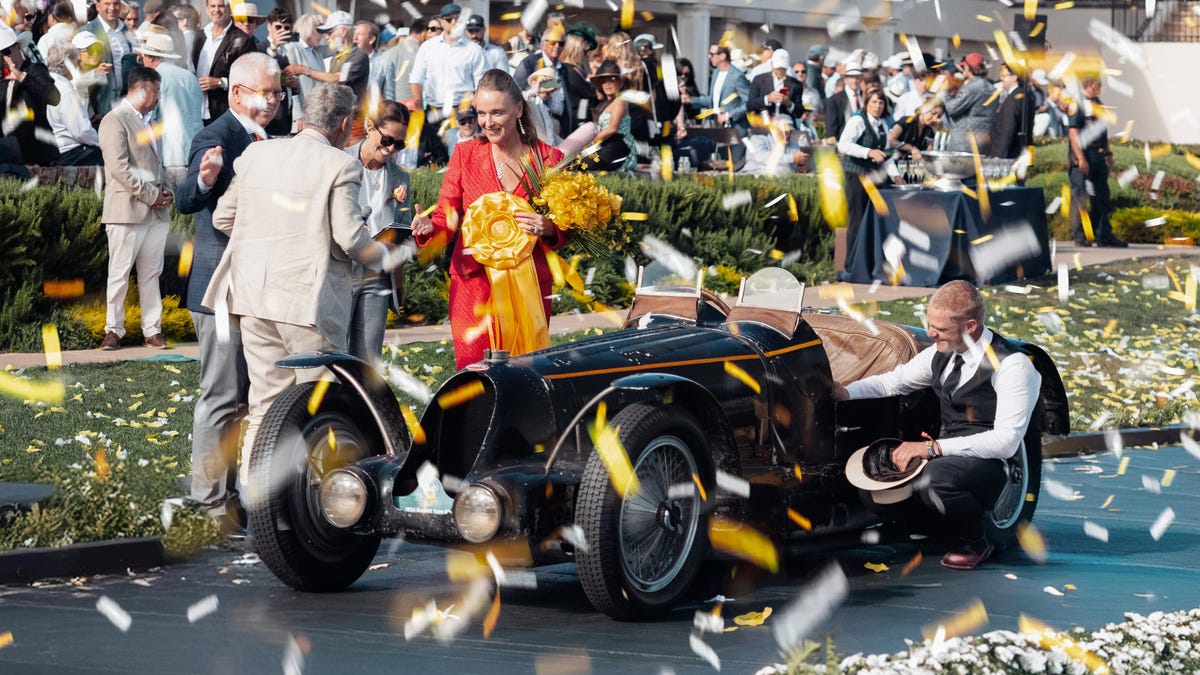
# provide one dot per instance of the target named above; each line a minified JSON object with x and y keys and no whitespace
{"x":30,"y":17}
{"x":435,"y":29}
{"x":387,"y":141}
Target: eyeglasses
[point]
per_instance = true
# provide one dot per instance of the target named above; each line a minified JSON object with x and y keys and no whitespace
{"x":435,"y":29}
{"x":466,"y":120}
{"x":268,"y":94}
{"x":714,"y":53}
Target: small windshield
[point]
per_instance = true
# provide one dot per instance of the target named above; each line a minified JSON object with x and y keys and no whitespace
{"x":657,"y":279}
{"x":772,"y":288}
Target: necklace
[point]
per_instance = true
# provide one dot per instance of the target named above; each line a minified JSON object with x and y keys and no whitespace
{"x":501,"y":163}
{"x":374,"y":176}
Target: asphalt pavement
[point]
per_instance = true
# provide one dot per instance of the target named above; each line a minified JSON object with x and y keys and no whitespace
{"x":259,"y":626}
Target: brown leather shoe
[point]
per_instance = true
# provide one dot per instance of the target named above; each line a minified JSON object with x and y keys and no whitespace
{"x":156,"y":341}
{"x":968,"y":557}
{"x":111,"y":342}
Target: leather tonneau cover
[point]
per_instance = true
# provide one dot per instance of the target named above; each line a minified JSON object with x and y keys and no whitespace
{"x":854,"y":353}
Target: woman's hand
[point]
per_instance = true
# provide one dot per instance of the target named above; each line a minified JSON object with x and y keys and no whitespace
{"x":422,"y":225}
{"x":535,"y":223}
{"x":916,"y":154}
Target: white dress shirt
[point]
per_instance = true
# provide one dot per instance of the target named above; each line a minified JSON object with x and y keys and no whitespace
{"x":718,"y":84}
{"x":69,"y":119}
{"x":447,"y":72}
{"x":855,"y":126}
{"x":118,"y":44}
{"x":1016,"y":382}
{"x":207,"y":53}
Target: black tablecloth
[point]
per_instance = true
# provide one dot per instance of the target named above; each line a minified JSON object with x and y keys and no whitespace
{"x":941,"y":236}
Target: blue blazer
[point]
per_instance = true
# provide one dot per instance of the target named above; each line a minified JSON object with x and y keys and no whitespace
{"x":226,"y":131}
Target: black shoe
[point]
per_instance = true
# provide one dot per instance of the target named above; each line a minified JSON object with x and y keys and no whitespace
{"x":1084,"y":243}
{"x":1113,"y":242}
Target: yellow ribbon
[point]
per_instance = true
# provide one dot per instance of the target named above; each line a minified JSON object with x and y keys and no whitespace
{"x":491,"y":233}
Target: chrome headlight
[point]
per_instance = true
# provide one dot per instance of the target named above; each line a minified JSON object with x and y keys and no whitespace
{"x":477,"y":513}
{"x":343,"y":497}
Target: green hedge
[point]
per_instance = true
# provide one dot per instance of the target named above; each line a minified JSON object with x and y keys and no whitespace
{"x":1130,"y":224}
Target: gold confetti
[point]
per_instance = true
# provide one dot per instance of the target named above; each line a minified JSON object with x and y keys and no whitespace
{"x":793,"y":209}
{"x":1031,"y":542}
{"x":1123,"y":465}
{"x":185,"y":258}
{"x":744,"y":542}
{"x":1168,"y":477}
{"x":956,"y":40}
{"x":332,"y":440}
{"x":6,"y":639}
{"x":1193,"y":160}
{"x":873,"y":194}
{"x":510,"y":16}
{"x":1050,"y":640}
{"x":967,"y":621}
{"x":668,"y":163}
{"x":460,"y":394}
{"x":626,"y":14}
{"x":753,"y":618}
{"x":416,"y":122}
{"x":631,"y":215}
{"x":831,"y":182}
{"x":414,"y":425}
{"x":1064,"y":5}
{"x":101,"y":464}
{"x":318,"y":395}
{"x":1037,"y":30}
{"x":69,"y":288}
{"x":797,"y":472}
{"x":493,"y":615}
{"x":51,"y":346}
{"x":1086,"y":220}
{"x":804,"y":523}
{"x":1031,"y":9}
{"x":742,"y":376}
{"x":700,"y":487}
{"x":647,"y":16}
{"x":1107,"y":502}
{"x":876,"y":567}
{"x":911,"y":564}
{"x":984,"y":18}
{"x":612,"y":454}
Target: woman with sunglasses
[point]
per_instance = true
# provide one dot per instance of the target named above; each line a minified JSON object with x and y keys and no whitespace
{"x":494,"y":162}
{"x":618,"y":150}
{"x":385,"y":197}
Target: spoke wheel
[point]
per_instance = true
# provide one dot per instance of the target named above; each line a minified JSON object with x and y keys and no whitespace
{"x":645,"y":547}
{"x":1018,"y":500}
{"x":293,"y":452}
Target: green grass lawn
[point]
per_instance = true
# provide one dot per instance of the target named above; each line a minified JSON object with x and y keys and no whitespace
{"x":1124,"y":342}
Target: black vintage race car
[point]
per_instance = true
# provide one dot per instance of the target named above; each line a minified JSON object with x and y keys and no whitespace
{"x":693,"y":392}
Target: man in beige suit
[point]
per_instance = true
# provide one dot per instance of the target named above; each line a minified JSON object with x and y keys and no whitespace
{"x":135,"y":208}
{"x":294,"y":224}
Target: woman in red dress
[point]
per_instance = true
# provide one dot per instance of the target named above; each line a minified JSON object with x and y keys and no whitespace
{"x":489,"y":162}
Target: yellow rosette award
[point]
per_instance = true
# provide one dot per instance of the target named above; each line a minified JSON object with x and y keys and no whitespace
{"x":491,"y":234}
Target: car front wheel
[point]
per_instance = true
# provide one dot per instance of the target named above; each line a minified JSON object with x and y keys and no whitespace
{"x":646,"y":547}
{"x":1017,"y":501}
{"x":293,"y":451}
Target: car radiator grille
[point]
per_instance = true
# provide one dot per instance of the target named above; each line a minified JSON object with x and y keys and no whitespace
{"x":462,"y":430}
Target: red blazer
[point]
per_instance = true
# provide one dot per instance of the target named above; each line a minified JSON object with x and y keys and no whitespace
{"x":471,"y":174}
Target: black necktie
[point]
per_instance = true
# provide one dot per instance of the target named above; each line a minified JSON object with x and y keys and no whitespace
{"x":952,"y":380}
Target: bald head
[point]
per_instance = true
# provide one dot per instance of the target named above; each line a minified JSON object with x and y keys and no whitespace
{"x":960,"y":300}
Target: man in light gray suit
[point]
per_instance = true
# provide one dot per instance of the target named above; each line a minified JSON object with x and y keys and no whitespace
{"x":294,"y":225}
{"x":728,"y":88}
{"x":135,"y":208}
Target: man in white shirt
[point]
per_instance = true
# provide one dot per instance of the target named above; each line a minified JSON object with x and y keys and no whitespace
{"x":986,"y":407}
{"x":78,"y":142}
{"x":214,"y":51}
{"x":447,"y":67}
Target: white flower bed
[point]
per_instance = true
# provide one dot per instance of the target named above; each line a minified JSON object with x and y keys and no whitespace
{"x":1158,"y":643}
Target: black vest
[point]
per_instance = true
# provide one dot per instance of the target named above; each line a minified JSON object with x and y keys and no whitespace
{"x":972,"y":407}
{"x":868,"y":139}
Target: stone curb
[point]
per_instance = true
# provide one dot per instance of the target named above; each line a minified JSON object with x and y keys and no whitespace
{"x":114,"y":556}
{"x":1093,"y":442}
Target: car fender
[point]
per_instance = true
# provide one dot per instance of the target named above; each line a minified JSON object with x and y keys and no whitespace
{"x":366,"y":382}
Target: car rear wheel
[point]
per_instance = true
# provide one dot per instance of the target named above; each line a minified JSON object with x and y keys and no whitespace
{"x":646,"y":547}
{"x":293,"y":451}
{"x":1018,"y":500}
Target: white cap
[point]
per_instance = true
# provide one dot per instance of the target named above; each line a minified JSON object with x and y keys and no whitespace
{"x":84,"y":39}
{"x":335,"y":19}
{"x":781,"y":59}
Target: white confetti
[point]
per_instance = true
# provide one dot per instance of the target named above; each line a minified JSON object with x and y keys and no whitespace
{"x":733,"y":484}
{"x":1151,"y":485}
{"x":813,"y":604}
{"x":510,"y":578}
{"x":1059,"y":490}
{"x":1007,"y":247}
{"x":700,"y":648}
{"x":1050,"y":590}
{"x":573,"y":535}
{"x":707,"y":622}
{"x":1112,"y":441}
{"x":1161,"y":523}
{"x":532,"y":15}
{"x":735,"y":199}
{"x":1156,"y":222}
{"x":681,"y":491}
{"x":1095,"y":531}
{"x":1064,"y":287}
{"x":664,"y":253}
{"x":1189,"y":444}
{"x":203,"y":608}
{"x":167,"y":515}
{"x":1127,"y":176}
{"x":293,"y":657}
{"x":1118,"y":42}
{"x":914,"y":235}
{"x":119,"y":617}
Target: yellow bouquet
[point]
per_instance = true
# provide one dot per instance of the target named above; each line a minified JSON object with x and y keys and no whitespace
{"x":578,"y":203}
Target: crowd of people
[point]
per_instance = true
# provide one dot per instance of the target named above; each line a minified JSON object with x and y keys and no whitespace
{"x":291,"y":153}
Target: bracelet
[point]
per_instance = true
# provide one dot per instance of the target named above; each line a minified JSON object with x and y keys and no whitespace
{"x":929,"y":448}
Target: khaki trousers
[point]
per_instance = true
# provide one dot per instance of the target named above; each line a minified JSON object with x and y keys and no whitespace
{"x":135,"y":245}
{"x":265,"y":342}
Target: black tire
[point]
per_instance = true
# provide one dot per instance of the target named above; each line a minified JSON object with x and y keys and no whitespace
{"x":666,"y":446}
{"x":1023,"y":485}
{"x":291,"y":452}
